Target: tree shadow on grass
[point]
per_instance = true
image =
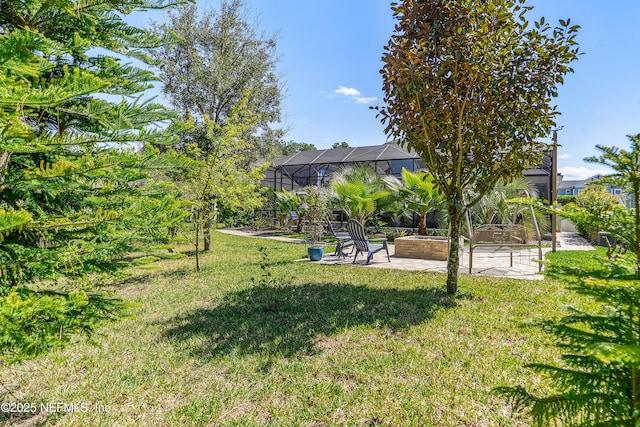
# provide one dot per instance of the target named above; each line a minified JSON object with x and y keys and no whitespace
{"x":163,"y":273}
{"x":284,"y":320}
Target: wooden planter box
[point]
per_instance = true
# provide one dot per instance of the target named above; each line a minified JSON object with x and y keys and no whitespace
{"x":422,"y":247}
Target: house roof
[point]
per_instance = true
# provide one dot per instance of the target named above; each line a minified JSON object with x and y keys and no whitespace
{"x":579,"y":183}
{"x":570,"y":183}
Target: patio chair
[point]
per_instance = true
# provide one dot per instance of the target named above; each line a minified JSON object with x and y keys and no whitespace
{"x":343,"y":240}
{"x":363,"y":243}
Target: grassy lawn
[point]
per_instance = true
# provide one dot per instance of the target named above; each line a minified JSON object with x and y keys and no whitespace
{"x":317,"y":345}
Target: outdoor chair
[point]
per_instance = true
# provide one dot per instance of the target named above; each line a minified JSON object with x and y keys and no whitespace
{"x":362,"y":243}
{"x":343,"y":240}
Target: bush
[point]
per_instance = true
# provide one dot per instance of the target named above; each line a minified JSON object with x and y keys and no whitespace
{"x":236,"y":217}
{"x":566,"y":199}
{"x":597,"y":202}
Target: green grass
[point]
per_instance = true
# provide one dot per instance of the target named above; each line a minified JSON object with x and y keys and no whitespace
{"x":309,"y":345}
{"x":595,"y":264}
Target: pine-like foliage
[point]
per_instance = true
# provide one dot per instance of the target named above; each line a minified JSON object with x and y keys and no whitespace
{"x":598,"y":382}
{"x":76,"y":165}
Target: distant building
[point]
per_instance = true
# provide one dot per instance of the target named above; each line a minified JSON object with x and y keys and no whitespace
{"x":573,"y":187}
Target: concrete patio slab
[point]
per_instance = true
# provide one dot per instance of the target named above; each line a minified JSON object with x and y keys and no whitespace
{"x":486,"y":261}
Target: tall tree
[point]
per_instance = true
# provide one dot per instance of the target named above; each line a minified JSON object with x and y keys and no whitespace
{"x":468,"y":85}
{"x":219,"y":58}
{"x":75,"y":189}
{"x":341,"y":144}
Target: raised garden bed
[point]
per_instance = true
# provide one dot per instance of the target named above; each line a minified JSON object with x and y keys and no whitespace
{"x":422,"y":247}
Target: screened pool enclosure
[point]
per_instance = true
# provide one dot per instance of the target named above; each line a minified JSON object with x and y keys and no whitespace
{"x":315,"y":167}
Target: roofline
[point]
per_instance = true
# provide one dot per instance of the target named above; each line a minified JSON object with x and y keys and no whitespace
{"x":291,"y":158}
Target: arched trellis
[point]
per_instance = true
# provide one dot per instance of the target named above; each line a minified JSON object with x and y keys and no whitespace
{"x":506,"y":235}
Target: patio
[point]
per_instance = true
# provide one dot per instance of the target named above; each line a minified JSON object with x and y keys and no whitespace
{"x":486,"y":261}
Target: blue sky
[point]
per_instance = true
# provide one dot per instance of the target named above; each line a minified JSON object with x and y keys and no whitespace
{"x":330,"y":54}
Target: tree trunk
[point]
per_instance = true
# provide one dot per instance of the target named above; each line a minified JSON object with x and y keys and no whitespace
{"x":206,"y":232}
{"x":453,"y":263}
{"x":197,"y":245}
{"x":422,"y":225}
{"x":4,"y":164}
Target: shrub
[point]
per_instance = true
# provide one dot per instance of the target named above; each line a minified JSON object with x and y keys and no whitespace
{"x":597,"y":202}
{"x":565,"y":199}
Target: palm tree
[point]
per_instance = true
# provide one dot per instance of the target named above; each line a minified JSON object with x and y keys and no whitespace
{"x":418,"y":194}
{"x":496,"y":207}
{"x":287,"y":201}
{"x":360,"y":192}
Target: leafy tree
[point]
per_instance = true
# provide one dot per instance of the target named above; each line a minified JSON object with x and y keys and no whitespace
{"x":468,"y":86}
{"x":288,"y":148}
{"x":218,"y":61}
{"x":223,"y":175}
{"x":218,"y":57}
{"x":341,"y":144}
{"x":417,"y":192}
{"x":315,"y":208}
{"x":360,"y":192}
{"x":76,"y":190}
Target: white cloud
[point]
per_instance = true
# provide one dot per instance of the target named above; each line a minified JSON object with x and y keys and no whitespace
{"x":347,"y":91}
{"x":564,"y":156}
{"x":581,"y":172}
{"x":363,"y":100}
{"x":354,"y":94}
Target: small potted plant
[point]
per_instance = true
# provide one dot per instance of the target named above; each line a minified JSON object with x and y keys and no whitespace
{"x":315,"y":208}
